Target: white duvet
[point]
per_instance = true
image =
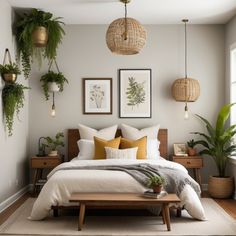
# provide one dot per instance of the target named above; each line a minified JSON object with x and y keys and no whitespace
{"x":62,"y":183}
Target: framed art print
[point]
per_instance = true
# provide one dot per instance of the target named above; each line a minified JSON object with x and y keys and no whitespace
{"x":97,"y":96}
{"x":135,"y":93}
{"x":180,"y":149}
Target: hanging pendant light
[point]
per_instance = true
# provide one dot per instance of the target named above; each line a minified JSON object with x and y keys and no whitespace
{"x":125,"y":36}
{"x":185,"y":89}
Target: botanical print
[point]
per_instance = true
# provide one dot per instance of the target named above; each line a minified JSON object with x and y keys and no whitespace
{"x":97,"y":95}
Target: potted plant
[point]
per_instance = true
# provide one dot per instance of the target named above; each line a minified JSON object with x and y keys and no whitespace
{"x":218,"y":144}
{"x":54,"y":143}
{"x":38,"y":35}
{"x":9,"y":72}
{"x":13,"y":100}
{"x":156,"y":182}
{"x":53,"y":82}
{"x":191,"y":150}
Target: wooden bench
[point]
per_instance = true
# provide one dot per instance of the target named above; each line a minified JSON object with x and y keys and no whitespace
{"x":121,"y":199}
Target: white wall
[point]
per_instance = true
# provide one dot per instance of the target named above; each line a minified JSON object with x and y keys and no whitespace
{"x":13,"y":150}
{"x":84,"y":54}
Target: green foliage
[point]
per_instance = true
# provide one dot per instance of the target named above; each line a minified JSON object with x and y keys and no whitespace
{"x":25,"y":27}
{"x":13,"y":100}
{"x":218,"y":142}
{"x":135,"y":92}
{"x":51,"y":76}
{"x":11,"y":68}
{"x":191,"y":143}
{"x":155,"y":180}
{"x":53,"y":143}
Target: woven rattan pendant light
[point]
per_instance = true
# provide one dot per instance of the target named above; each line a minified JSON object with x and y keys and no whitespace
{"x":125,"y":36}
{"x":185,"y":89}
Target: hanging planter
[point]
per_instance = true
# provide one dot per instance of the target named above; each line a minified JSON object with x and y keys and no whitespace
{"x":53,"y":87}
{"x":38,"y":35}
{"x":13,"y":101}
{"x":9,"y":71}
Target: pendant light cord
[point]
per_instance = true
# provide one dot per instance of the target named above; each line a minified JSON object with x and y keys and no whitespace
{"x":53,"y":101}
{"x":186,"y":65}
{"x":125,"y":38}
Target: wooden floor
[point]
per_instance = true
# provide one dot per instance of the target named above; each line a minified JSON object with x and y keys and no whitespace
{"x":229,"y":205}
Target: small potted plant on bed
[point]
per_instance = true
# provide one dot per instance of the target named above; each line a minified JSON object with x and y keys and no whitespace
{"x":9,"y":72}
{"x":156,"y":182}
{"x":54,"y":143}
{"x":218,"y":143}
{"x":53,"y":82}
{"x":191,"y":150}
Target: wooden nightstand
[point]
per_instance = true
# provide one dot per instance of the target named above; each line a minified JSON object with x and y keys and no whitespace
{"x":41,"y":163}
{"x":191,"y":162}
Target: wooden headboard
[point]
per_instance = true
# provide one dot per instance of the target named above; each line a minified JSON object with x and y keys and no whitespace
{"x":74,"y":136}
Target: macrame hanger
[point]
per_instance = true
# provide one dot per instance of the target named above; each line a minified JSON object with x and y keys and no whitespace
{"x":7,"y":54}
{"x":50,"y":65}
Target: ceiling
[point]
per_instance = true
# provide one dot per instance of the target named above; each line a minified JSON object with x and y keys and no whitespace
{"x":146,"y":11}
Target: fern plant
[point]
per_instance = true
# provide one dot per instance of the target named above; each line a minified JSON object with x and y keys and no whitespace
{"x":13,"y":101}
{"x":25,"y":27}
{"x":50,"y":77}
{"x":11,"y":68}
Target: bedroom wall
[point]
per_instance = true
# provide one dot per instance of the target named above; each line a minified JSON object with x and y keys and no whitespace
{"x":84,"y":54}
{"x":13,"y":150}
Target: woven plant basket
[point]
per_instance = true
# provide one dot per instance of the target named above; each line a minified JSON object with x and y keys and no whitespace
{"x":136,"y":37}
{"x":220,"y":187}
{"x":185,"y":90}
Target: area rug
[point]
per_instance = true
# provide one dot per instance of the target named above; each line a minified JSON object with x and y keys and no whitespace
{"x":218,"y":223}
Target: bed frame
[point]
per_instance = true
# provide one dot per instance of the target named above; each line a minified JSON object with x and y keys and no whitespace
{"x":74,"y":136}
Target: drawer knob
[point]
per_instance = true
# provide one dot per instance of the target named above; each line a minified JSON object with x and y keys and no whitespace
{"x":188,"y":162}
{"x":45,"y":163}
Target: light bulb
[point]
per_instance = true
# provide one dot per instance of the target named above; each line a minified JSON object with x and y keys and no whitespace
{"x":186,"y":115}
{"x":53,"y":111}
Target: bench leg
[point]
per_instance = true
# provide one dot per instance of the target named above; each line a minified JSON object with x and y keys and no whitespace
{"x":55,"y":213}
{"x":81,"y":216}
{"x":163,"y":216}
{"x":178,"y":212}
{"x":166,"y":211}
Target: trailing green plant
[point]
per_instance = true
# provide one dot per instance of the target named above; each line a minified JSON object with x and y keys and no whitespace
{"x":50,"y":77}
{"x":13,"y":101}
{"x":191,"y":143}
{"x":53,"y":143}
{"x":155,"y":180}
{"x":25,"y":27}
{"x":218,"y":142}
{"x":11,"y":68}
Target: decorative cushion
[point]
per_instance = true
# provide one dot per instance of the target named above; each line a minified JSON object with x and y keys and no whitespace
{"x":140,"y":143}
{"x":86,"y":149}
{"x":88,"y":133}
{"x":153,"y":149}
{"x":100,"y":145}
{"x":129,"y":153}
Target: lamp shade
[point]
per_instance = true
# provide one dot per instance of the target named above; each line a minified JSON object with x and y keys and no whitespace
{"x":115,"y":36}
{"x":185,"y":90}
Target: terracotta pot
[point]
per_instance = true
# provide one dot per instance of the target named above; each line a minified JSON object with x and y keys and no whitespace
{"x":157,"y":189}
{"x":9,"y":77}
{"x":40,"y":36}
{"x":192,"y":151}
{"x":53,"y":87}
{"x":220,"y":187}
{"x":53,"y":153}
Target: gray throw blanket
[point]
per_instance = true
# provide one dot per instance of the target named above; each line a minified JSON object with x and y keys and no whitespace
{"x":175,"y":180}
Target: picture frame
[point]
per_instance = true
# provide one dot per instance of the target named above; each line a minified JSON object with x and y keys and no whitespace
{"x":97,"y":96}
{"x":135,"y":93}
{"x":180,"y":149}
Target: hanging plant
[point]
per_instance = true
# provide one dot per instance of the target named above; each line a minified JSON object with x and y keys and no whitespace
{"x":38,"y":35}
{"x":9,"y":72}
{"x":50,"y":79}
{"x":13,"y":101}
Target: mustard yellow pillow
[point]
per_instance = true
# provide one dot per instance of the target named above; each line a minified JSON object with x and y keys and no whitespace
{"x":140,"y":143}
{"x":100,"y":145}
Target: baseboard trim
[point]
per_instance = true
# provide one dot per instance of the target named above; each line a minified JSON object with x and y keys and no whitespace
{"x":9,"y":201}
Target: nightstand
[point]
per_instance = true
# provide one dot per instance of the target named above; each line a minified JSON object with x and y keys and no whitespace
{"x":191,"y":162}
{"x":39,"y":164}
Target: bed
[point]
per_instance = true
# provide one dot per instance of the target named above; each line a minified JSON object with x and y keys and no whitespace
{"x":68,"y":178}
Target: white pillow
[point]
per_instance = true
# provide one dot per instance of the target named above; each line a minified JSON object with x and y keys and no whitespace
{"x":153,"y":149}
{"x":113,"y":153}
{"x":132,"y":133}
{"x":86,"y":149}
{"x":106,"y":133}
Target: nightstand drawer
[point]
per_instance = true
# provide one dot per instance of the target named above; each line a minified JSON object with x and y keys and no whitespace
{"x":45,"y":163}
{"x":190,"y":163}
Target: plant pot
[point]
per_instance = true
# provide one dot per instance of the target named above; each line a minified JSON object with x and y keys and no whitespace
{"x":192,"y":151}
{"x":10,"y":78}
{"x":53,"y":87}
{"x":157,"y":189}
{"x":220,"y":187}
{"x":40,"y":36}
{"x":53,"y":153}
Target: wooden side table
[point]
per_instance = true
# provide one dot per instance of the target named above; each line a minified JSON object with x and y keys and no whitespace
{"x":191,"y":162}
{"x":41,"y":163}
